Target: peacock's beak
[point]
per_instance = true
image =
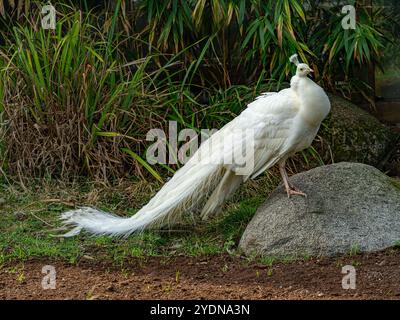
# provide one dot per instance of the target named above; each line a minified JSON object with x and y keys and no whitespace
{"x":311,"y":70}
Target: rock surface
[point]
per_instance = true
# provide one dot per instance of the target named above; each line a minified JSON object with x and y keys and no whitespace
{"x":351,"y":134}
{"x":350,"y":206}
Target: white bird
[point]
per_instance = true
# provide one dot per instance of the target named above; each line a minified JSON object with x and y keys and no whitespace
{"x":276,"y":125}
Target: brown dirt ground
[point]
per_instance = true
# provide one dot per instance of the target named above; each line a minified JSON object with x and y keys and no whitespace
{"x":215,"y":277}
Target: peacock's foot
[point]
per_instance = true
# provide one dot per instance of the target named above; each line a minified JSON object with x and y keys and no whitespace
{"x":292,"y":190}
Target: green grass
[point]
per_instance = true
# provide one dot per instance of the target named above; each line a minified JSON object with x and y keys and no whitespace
{"x":29,"y":223}
{"x":354,"y":250}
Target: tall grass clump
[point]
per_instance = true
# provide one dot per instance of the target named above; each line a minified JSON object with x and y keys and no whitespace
{"x":74,"y":105}
{"x":62,"y":89}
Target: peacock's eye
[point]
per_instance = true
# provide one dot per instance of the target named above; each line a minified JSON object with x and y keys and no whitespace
{"x":301,"y":69}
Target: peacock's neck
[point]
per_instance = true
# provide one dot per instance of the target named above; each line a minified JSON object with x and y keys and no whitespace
{"x":314,"y":102}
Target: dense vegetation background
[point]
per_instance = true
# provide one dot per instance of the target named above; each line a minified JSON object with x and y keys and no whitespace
{"x":79,"y":100}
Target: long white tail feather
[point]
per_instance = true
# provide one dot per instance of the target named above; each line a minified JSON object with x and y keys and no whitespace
{"x":226,"y":187}
{"x":183,"y":192}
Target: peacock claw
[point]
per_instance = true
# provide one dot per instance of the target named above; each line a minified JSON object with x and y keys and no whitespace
{"x":294,"y":191}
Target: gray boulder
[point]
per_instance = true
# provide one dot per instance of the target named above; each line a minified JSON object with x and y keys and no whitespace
{"x":350,"y":206}
{"x":352,"y":134}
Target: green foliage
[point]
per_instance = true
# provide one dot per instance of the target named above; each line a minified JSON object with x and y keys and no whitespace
{"x":80,"y":99}
{"x":242,"y":36}
{"x":252,"y":39}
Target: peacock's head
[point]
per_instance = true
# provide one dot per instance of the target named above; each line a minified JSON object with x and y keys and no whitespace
{"x":302,"y":69}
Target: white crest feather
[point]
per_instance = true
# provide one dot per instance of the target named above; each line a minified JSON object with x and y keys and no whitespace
{"x":294,"y":59}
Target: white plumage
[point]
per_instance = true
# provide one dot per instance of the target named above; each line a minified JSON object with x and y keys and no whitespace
{"x":276,"y":124}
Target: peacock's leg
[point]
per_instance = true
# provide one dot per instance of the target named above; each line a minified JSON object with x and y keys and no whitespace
{"x":290,"y":189}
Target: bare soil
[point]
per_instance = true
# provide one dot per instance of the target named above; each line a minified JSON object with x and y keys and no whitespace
{"x":214,"y":277}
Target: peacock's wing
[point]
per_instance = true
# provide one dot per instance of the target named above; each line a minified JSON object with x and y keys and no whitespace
{"x":258,"y":138}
